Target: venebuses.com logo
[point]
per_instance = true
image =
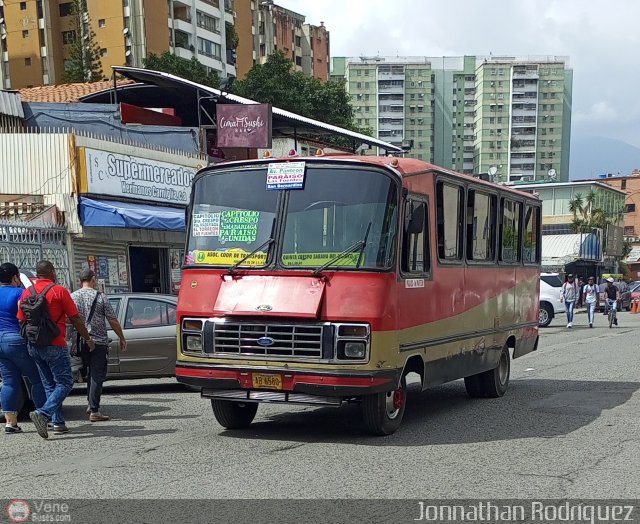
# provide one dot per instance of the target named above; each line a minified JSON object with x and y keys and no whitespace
{"x":18,"y":511}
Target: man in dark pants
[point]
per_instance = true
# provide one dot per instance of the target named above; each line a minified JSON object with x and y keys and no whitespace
{"x":84,"y":298}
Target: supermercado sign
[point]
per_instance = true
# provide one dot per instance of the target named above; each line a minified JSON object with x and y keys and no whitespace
{"x":120,"y":175}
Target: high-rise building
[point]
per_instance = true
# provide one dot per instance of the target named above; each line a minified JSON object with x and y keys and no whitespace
{"x":36,"y":35}
{"x":203,"y":28}
{"x":272,"y":28}
{"x":507,"y":116}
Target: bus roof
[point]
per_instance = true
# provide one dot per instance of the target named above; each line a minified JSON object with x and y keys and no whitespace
{"x":404,"y":166}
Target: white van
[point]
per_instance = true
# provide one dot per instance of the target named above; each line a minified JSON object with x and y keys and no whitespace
{"x":550,"y":298}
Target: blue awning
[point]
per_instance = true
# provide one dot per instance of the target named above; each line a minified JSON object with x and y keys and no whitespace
{"x":105,"y":213}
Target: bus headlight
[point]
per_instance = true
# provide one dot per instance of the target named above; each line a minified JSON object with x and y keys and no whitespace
{"x":194,"y":343}
{"x":352,"y":350}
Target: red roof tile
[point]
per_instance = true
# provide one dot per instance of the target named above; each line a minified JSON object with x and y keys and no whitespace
{"x":66,"y":92}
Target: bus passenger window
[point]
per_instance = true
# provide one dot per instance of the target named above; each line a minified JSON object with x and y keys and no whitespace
{"x":481,"y":217}
{"x":511,"y":231}
{"x":449,"y":214}
{"x":532,"y":235}
{"x":415,"y":241}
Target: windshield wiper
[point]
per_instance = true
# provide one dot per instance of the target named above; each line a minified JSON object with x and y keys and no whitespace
{"x":359,"y":245}
{"x":266,"y":243}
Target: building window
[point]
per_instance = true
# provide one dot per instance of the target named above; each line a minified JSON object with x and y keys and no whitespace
{"x":27,"y":62}
{"x":65,"y":9}
{"x":629,"y":231}
{"x":630,"y":208}
{"x":211,"y":23}
{"x":102,"y":23}
{"x":68,"y":37}
{"x":623,"y":184}
{"x":208,"y":48}
{"x":23,"y":6}
{"x":25,"y":34}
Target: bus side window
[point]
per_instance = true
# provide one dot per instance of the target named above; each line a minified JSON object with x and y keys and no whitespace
{"x":450,"y":216}
{"x":510,"y":230}
{"x":481,"y":217}
{"x":532,"y":235}
{"x":415,"y":240}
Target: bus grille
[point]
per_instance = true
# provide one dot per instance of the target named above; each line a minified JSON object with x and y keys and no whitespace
{"x":286,"y":340}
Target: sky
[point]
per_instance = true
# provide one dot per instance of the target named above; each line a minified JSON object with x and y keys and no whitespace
{"x":601,"y":40}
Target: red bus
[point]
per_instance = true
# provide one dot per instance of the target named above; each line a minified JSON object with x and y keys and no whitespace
{"x":328,"y":279}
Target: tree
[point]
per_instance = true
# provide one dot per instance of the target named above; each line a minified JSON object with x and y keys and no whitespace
{"x":189,"y":69}
{"x":84,"y":55}
{"x":276,"y":82}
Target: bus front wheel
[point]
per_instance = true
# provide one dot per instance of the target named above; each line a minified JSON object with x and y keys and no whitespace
{"x":234,"y":415}
{"x":383,"y":412}
{"x":492,"y":383}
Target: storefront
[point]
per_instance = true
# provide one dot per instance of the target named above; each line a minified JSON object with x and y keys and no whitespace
{"x":132,"y":216}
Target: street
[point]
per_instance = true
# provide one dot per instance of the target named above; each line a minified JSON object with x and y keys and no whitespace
{"x":568,"y":427}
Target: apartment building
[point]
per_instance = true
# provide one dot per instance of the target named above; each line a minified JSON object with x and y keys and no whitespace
{"x":36,"y":35}
{"x":508,"y":116}
{"x":631,"y":186}
{"x":204,"y":28}
{"x":274,"y":27}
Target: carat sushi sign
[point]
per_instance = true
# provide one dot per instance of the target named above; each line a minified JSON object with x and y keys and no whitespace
{"x":246,"y":126}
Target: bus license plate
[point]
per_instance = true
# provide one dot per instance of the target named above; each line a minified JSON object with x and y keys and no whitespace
{"x":261,"y":380}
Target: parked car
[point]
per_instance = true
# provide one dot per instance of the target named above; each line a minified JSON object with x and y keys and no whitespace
{"x":634,"y":288}
{"x":550,"y":302}
{"x":149,"y":325}
{"x":625,"y":296}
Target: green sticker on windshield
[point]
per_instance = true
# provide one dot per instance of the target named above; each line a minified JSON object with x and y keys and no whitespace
{"x":239,"y":226}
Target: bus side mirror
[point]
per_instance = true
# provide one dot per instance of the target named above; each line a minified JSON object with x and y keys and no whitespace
{"x":415,"y":224}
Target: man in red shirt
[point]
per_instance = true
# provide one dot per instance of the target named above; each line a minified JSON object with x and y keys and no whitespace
{"x":53,"y":361}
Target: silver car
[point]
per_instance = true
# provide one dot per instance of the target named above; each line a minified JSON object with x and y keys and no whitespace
{"x":149,"y":325}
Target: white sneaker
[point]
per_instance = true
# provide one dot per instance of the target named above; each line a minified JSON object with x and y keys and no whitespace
{"x":570,"y":325}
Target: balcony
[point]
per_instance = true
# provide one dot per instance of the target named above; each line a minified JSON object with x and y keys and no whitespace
{"x":182,"y":13}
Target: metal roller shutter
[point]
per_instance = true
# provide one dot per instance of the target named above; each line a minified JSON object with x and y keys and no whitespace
{"x":111,"y":261}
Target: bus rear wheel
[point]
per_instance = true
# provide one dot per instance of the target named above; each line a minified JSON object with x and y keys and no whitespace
{"x":383,"y":412}
{"x":234,"y":415}
{"x":492,"y":383}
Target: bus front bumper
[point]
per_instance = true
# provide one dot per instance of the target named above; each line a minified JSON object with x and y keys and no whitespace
{"x":215,"y":380}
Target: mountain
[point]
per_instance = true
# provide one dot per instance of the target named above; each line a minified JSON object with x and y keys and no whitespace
{"x":594,"y":155}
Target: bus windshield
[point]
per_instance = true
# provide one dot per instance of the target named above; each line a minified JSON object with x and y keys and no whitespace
{"x":234,"y":212}
{"x":335,"y":210}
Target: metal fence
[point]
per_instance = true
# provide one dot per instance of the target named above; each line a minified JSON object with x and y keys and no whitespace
{"x":25,"y":244}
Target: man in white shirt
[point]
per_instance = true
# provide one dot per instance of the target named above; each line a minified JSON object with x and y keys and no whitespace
{"x":590,"y":294}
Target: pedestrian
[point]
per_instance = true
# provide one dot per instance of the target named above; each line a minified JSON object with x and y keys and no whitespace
{"x":569,"y":296}
{"x":590,"y":293}
{"x":43,"y":311}
{"x":15,"y":361}
{"x":581,"y":284}
{"x":612,"y":295}
{"x":96,"y":311}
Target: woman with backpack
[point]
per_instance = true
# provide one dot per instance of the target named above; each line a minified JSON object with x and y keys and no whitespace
{"x":15,"y":361}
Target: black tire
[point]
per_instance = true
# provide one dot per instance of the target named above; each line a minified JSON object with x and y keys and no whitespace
{"x":492,"y":383}
{"x":234,"y":415}
{"x":383,"y":412}
{"x":546,"y":315}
